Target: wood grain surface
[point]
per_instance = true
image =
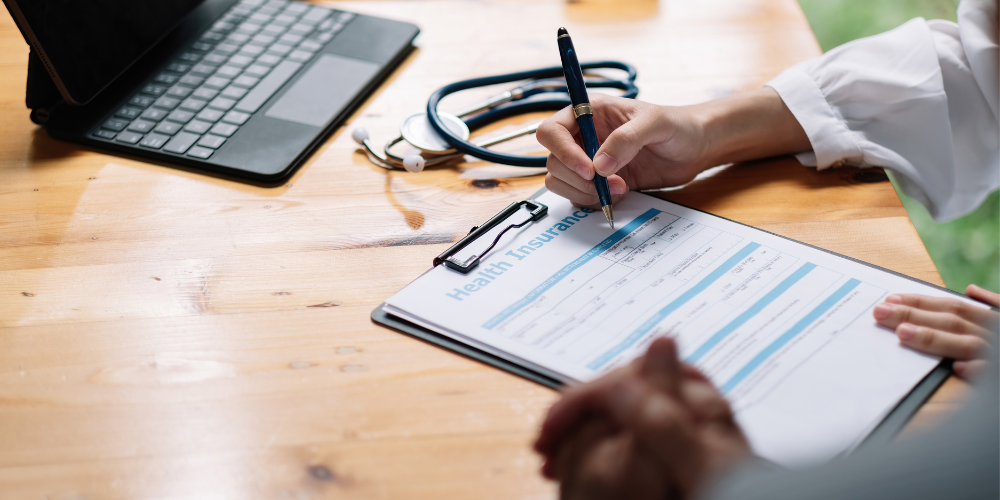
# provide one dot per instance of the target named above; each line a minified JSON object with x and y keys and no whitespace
{"x":169,"y":335}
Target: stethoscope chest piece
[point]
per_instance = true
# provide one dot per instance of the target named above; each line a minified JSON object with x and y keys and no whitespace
{"x":418,"y":131}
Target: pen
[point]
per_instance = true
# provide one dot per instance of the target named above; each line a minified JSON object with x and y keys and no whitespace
{"x":584,"y":115}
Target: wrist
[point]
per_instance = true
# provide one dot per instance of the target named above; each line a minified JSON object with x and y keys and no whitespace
{"x":747,"y":126}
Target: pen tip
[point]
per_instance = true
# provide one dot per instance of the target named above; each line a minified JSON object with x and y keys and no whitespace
{"x":610,"y":214}
{"x":561,"y":32}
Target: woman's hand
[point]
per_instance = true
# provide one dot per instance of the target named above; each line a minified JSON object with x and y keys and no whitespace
{"x":944,"y":327}
{"x":654,"y":429}
{"x":644,"y":146}
{"x":647,"y":146}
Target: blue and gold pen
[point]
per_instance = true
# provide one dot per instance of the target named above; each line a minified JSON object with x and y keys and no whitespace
{"x":584,"y":115}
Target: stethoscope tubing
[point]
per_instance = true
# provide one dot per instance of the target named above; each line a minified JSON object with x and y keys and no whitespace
{"x":537,"y":102}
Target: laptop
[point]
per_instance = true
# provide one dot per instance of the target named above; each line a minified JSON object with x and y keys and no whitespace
{"x":244,"y":88}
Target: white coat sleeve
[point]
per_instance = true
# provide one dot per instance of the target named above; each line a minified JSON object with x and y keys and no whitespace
{"x":920,"y":100}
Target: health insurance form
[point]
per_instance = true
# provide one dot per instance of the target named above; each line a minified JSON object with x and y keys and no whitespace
{"x":783,"y":329}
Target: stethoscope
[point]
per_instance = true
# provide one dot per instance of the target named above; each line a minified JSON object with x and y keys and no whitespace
{"x":442,"y":137}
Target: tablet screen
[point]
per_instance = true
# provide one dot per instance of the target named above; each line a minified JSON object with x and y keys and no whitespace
{"x":90,"y":43}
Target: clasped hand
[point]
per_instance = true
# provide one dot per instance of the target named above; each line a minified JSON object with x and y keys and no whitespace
{"x":652,"y":429}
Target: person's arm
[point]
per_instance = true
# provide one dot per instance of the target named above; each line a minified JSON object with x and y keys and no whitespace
{"x":648,"y":146}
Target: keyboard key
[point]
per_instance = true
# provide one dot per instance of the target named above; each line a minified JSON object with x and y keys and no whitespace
{"x":236,"y":117}
{"x":128,"y":113}
{"x":315,"y":15}
{"x":202,"y":70}
{"x":167,"y":128}
{"x":215,"y":59}
{"x":324,"y":37}
{"x":267,"y":87}
{"x":310,"y":45}
{"x":105,"y":134}
{"x":240,"y":61}
{"x":191,"y":81}
{"x":238,"y":38}
{"x":252,"y":50}
{"x":246,"y":81}
{"x":200,"y":152}
{"x":128,"y":137}
{"x":179,"y":67}
{"x":268,"y":59}
{"x":213,"y":36}
{"x":257,"y":70}
{"x":280,"y":49}
{"x":296,"y":8}
{"x":226,"y":48}
{"x":141,"y":126}
{"x":300,"y":56}
{"x":166,"y":103}
{"x":290,"y":38}
{"x":223,"y":27}
{"x":115,"y":124}
{"x":272,"y":30}
{"x":166,"y":78}
{"x":248,"y":28}
{"x":251,"y":3}
{"x":224,"y":129}
{"x":192,"y":104}
{"x":262,"y":39}
{"x":154,"y":114}
{"x":201,"y":46}
{"x":234,"y":92}
{"x":300,"y":29}
{"x":216,"y":83}
{"x":228,"y":71}
{"x":181,"y":143}
{"x":260,"y":17}
{"x":179,"y":92}
{"x":180,"y":116}
{"x":211,"y":141}
{"x":197,"y":126}
{"x":153,"y":140}
{"x":205,"y":93}
{"x":284,"y":19}
{"x":210,"y":115}
{"x":191,"y":57}
{"x":141,"y":101}
{"x":222,"y":103}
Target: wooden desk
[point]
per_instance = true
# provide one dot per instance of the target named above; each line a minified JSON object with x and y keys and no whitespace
{"x":165,"y":334}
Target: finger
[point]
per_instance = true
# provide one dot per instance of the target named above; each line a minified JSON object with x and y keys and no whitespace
{"x":559,"y":169}
{"x":574,"y":449}
{"x":983,"y":295}
{"x":705,"y":401}
{"x":892,"y":315}
{"x":577,"y":197}
{"x":557,"y":135}
{"x":962,"y":309}
{"x":576,"y":405}
{"x":660,"y":366}
{"x":626,"y":141}
{"x":969,"y":369}
{"x":939,"y":343}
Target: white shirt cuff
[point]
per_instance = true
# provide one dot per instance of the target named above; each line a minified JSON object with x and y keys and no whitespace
{"x":832,"y":142}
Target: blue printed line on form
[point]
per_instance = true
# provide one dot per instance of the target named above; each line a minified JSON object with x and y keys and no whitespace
{"x":673,"y":305}
{"x":780,"y":342}
{"x":751,"y":312}
{"x":572,"y":266}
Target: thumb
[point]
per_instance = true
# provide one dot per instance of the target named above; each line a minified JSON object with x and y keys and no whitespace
{"x":624,"y":143}
{"x":661,"y":367}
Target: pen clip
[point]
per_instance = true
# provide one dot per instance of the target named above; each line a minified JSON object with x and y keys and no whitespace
{"x":449,"y":259}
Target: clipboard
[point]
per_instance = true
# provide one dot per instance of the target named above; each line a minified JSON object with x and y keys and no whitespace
{"x":884,"y":432}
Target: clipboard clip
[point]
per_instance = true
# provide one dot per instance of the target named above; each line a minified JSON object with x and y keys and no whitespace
{"x":448,"y":258}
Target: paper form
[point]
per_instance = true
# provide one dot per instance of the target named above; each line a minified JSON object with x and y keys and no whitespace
{"x":784,"y":330}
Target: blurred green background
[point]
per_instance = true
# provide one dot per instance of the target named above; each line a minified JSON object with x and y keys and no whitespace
{"x":965,"y":250}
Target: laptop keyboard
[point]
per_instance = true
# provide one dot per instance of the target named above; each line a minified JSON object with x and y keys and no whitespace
{"x":210,"y":89}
